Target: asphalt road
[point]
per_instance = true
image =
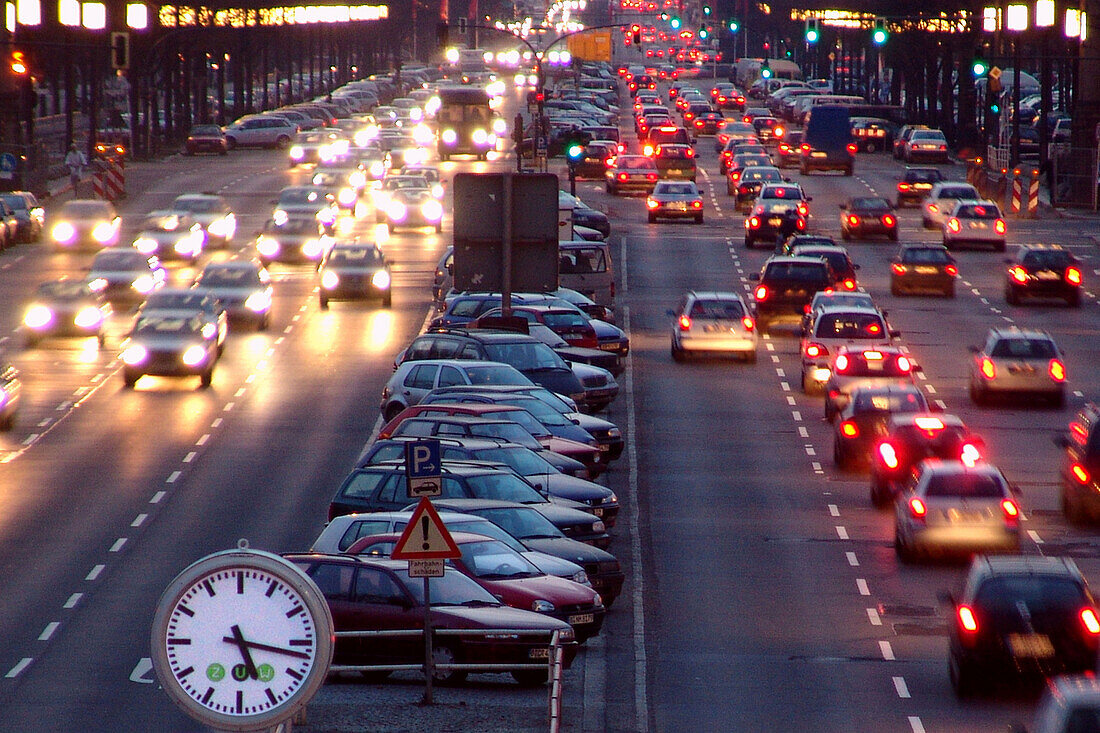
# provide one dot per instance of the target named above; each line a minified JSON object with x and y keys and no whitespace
{"x":763,"y":592}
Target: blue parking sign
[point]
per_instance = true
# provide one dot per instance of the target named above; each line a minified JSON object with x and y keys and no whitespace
{"x":423,"y":468}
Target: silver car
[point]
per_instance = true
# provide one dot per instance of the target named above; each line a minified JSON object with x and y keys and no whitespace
{"x":1018,"y":361}
{"x":713,"y":322}
{"x":975,"y":222}
{"x":675,"y":200}
{"x":953,"y":506}
{"x":835,"y":327}
{"x":942,"y":199}
{"x":265,"y":131}
{"x":213,"y":212}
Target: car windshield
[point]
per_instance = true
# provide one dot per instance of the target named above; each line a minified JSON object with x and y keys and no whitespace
{"x":149,"y":325}
{"x":495,"y":374}
{"x":926,"y":255}
{"x":921,"y":176}
{"x":229,"y":277}
{"x":958,"y":192}
{"x":862,"y":300}
{"x":522,"y":418}
{"x":177,"y":301}
{"x":764,"y":175}
{"x":508,"y":431}
{"x":206,"y":130}
{"x":453,"y":589}
{"x":164,"y":222}
{"x":503,"y":487}
{"x":294,"y":226}
{"x":894,"y":402}
{"x":1001,"y":596}
{"x":718,"y":310}
{"x":120,"y":260}
{"x":781,"y":192}
{"x":639,"y":162}
{"x":964,"y":486}
{"x":63,"y":290}
{"x":1023,"y":348}
{"x":837,"y":260}
{"x":86,"y":210}
{"x":850,"y":326}
{"x":15,"y":201}
{"x":676,"y":189}
{"x":870,"y":204}
{"x":198,"y":205}
{"x":360,"y":256}
{"x":496,"y":561}
{"x":798,"y":271}
{"x":560,"y":319}
{"x":301,"y":197}
{"x":1049,"y":258}
{"x":522,"y":460}
{"x":526,"y":355}
{"x":521,"y":523}
{"x":979,"y":211}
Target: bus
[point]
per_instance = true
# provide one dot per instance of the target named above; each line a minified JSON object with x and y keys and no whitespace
{"x":465,"y":122}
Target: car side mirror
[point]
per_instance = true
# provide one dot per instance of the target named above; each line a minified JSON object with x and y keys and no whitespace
{"x":670,"y":313}
{"x":755,"y":277}
{"x":809,"y":198}
{"x":842,"y":207}
{"x":1061,"y":441}
{"x":855,"y":267}
{"x":1015,"y":489}
{"x":947,"y":598}
{"x":973,"y":349}
{"x":702,"y":191}
{"x":895,"y":334}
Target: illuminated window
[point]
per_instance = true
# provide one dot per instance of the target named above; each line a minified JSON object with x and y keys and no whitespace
{"x":68,"y":12}
{"x":137,"y":16}
{"x":1016,"y":18}
{"x":989,"y":19}
{"x":1044,"y":13}
{"x":28,"y":12}
{"x":93,"y":16}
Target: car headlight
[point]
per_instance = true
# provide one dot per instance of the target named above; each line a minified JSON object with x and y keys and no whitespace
{"x":326,"y":217}
{"x":64,"y":232}
{"x":479,"y":136}
{"x":145,"y":245}
{"x":209,"y":331}
{"x":187,"y":246}
{"x":357,"y":179}
{"x":97,"y":284}
{"x":280,"y":217}
{"x":329,"y":280}
{"x":598,"y":526}
{"x":377,"y":168}
{"x":267,"y":246}
{"x":297,"y":152}
{"x":820,"y":374}
{"x":361,"y":138}
{"x":380,"y":279}
{"x":144,"y":284}
{"x":347,"y":196}
{"x":222,"y":227}
{"x":340,"y":147}
{"x":88,"y":317}
{"x":449,"y":136}
{"x":258,"y":302}
{"x":499,"y":126}
{"x":580,"y":577}
{"x":437,"y":190}
{"x":396,"y":211}
{"x":135,"y":354}
{"x":416,"y":114}
{"x":311,"y":248}
{"x":194,"y":355}
{"x":432,"y":210}
{"x":423,"y":135}
{"x":37,"y":316}
{"x":541,"y":606}
{"x":432,"y":105}
{"x":103,"y":232}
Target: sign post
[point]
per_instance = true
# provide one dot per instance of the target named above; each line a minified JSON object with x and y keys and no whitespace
{"x":426,"y":543}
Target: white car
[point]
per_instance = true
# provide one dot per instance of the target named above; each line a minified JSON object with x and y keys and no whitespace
{"x":975,"y":222}
{"x":709,"y":322}
{"x":942,"y":199}
{"x":832,"y":328}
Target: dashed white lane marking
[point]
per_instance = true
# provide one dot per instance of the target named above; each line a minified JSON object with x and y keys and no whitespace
{"x":873,"y":617}
{"x":139,"y":520}
{"x":240,"y":392}
{"x":816,"y":466}
{"x":861,"y":586}
{"x":796,"y":415}
{"x":73,"y":600}
{"x":790,"y":400}
{"x":780,"y":373}
{"x":810,"y":450}
{"x":901,"y":687}
{"x":217,"y":423}
{"x":63,"y":406}
{"x":190,"y":457}
{"x":118,"y":545}
{"x":157,"y":497}
{"x":785,"y":387}
{"x":280,"y":340}
{"x":94,"y":572}
{"x":852,"y":559}
{"x":887,"y":650}
{"x":30,"y":439}
{"x":229,"y":406}
{"x":19,"y":667}
{"x":803,"y":432}
{"x":834,"y":510}
{"x":930,"y":389}
{"x":941,"y":404}
{"x":44,"y":423}
{"x":173,"y":477}
{"x":915,"y":724}
{"x":48,"y":631}
{"x":202,"y":439}
{"x":1035,"y":537}
{"x":842,"y":532}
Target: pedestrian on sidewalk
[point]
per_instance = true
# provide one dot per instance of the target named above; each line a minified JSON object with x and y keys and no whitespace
{"x":76,"y":163}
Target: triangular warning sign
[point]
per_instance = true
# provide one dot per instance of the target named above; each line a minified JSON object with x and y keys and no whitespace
{"x":425,"y":537}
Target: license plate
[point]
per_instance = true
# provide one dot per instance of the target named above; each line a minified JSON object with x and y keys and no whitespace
{"x":1030,"y":645}
{"x":817,"y":155}
{"x":774,"y":222}
{"x":604,"y":448}
{"x":609,"y":347}
{"x":978,"y":225}
{"x":926,"y":270}
{"x":675,"y":171}
{"x":581,"y":618}
{"x":597,"y":512}
{"x":541,"y":652}
{"x":1047,"y":275}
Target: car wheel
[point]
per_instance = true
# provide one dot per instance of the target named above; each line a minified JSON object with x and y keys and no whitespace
{"x":438,"y":228}
{"x":963,"y":680}
{"x":808,"y":385}
{"x":652,"y":219}
{"x":894,"y":289}
{"x":699,"y":219}
{"x":230,"y":143}
{"x":7,"y":423}
{"x":899,"y":204}
{"x":264,"y":323}
{"x":950,"y":292}
{"x":207,"y":377}
{"x":870,"y":147}
{"x":1011,"y":296}
{"x":977,"y":396}
{"x":130,"y":378}
{"x":30,"y":341}
{"x":282,"y":142}
{"x":676,"y":352}
{"x":443,"y":654}
{"x":324,"y":304}
{"x":902,"y":550}
{"x":392,"y":410}
{"x":389,"y":227}
{"x":845,"y":235}
{"x":848,"y":171}
{"x":101,"y":339}
{"x":223,"y":151}
{"x":1074,"y":301}
{"x":803,"y":170}
{"x":1000,"y":246}
{"x":926,"y":223}
{"x":749,"y":243}
{"x":840,"y":459}
{"x":531,"y":677}
{"x":387,"y":301}
{"x":879,"y":496}
{"x":893,"y":236}
{"x":188,"y":151}
{"x":750,"y":357}
{"x":1058,"y":400}
{"x":1071,"y":509}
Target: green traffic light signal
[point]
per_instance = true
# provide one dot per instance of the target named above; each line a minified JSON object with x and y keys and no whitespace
{"x":979,"y":68}
{"x":995,"y":108}
{"x":675,"y":23}
{"x":812,"y":36}
{"x":734,"y":26}
{"x":706,"y":10}
{"x":574,"y":151}
{"x":879,"y":36}
{"x":766,"y":71}
{"x":703,"y":32}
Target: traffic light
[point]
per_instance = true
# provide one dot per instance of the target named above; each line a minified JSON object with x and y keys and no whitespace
{"x":765,"y":69}
{"x":788,"y":53}
{"x":574,"y":151}
{"x":880,"y":34}
{"x":636,"y":30}
{"x":120,"y":50}
{"x":706,"y":10}
{"x":18,"y":63}
{"x":703,"y":32}
{"x":442,"y":34}
{"x":734,"y":26}
{"x":675,"y":23}
{"x":979,"y":67}
{"x":994,"y":104}
{"x":813,"y":31}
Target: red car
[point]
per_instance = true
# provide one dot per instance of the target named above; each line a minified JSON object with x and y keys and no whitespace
{"x":512,"y":578}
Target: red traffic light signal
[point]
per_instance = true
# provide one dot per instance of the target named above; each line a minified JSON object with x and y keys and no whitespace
{"x":18,"y":63}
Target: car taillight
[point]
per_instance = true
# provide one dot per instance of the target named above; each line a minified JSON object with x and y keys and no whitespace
{"x":969,"y":454}
{"x":954,"y":225}
{"x":1057,"y":370}
{"x":784,"y":148}
{"x":800,"y":224}
{"x":1011,"y":511}
{"x":1073,"y":276}
{"x":761,"y":293}
{"x":917,"y":508}
{"x":685,"y":323}
{"x":622,"y":148}
{"x":735,"y":175}
{"x":842,"y":363}
{"x":902,"y":187}
{"x":698,"y":123}
{"x":888,"y":220}
{"x":623,"y":176}
{"x":815,"y":350}
{"x":1018,"y":274}
{"x":696,"y":204}
{"x":987,"y":368}
{"x":851,"y":148}
{"x":853,"y":220}
{"x":1080,"y":473}
{"x":752,"y":222}
{"x":1000,"y":226}
{"x":691,"y":152}
{"x":932,"y":208}
{"x":740,"y":100}
{"x":651,"y":176}
{"x":1088,"y":618}
{"x":779,"y":132}
{"x":904,"y":365}
{"x":849,"y":429}
{"x":803,"y":210}
{"x":805,"y":148}
{"x":951,"y":270}
{"x":848,"y":284}
{"x":647,"y":151}
{"x":748,"y":323}
{"x":898,"y":268}
{"x":888,"y":454}
{"x":967,"y":621}
{"x":746,"y":119}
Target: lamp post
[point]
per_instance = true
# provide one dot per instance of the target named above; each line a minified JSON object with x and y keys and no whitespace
{"x":1016,"y":21}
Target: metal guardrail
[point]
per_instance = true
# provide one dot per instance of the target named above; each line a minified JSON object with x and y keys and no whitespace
{"x":552,"y":665}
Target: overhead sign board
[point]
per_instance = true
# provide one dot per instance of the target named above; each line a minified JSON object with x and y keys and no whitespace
{"x":425,"y":537}
{"x":423,"y":468}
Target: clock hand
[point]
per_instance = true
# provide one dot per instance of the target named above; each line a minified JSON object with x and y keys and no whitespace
{"x":239,"y":640}
{"x":267,"y":647}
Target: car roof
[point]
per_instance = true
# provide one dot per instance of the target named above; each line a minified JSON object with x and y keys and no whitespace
{"x":458,"y":363}
{"x":472,"y":504}
{"x":715,"y":295}
{"x":1000,"y":565}
{"x":1020,"y":333}
{"x":486,"y":335}
{"x":848,"y":308}
{"x":910,"y":418}
{"x":373,"y":560}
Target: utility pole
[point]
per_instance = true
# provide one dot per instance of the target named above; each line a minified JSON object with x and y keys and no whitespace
{"x":1086,"y":113}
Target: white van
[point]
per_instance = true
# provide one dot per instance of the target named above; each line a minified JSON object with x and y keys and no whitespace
{"x":587,"y":268}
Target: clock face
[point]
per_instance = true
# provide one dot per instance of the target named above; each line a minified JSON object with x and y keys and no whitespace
{"x":240,"y":641}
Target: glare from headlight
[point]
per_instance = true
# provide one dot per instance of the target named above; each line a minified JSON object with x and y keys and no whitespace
{"x":377,"y":168}
{"x":267,"y":247}
{"x":144,"y":284}
{"x":329,"y":280}
{"x":437,"y":190}
{"x":357,"y":179}
{"x":103,"y":232}
{"x":135,"y":354}
{"x":380,"y":279}
{"x":37,"y":316}
{"x":297,"y":152}
{"x":432,"y":106}
{"x":145,"y":245}
{"x":423,"y":134}
{"x":222,"y":227}
{"x":449,"y":136}
{"x":64,"y":232}
{"x":520,"y":79}
{"x":194,"y":355}
{"x":397,"y":211}
{"x":340,"y":147}
{"x":311,"y":248}
{"x":432,"y":210}
{"x":280,"y":217}
{"x":499,"y":126}
{"x":327,"y":216}
{"x":416,"y":114}
{"x":88,"y":317}
{"x":258,"y":302}
{"x":187,"y":247}
{"x":347,"y":196}
{"x":480,"y":137}
{"x":533,"y":79}
{"x":98,"y":284}
{"x":209,"y":330}
{"x":820,"y":374}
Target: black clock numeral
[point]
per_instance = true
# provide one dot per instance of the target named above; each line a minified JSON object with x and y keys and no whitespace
{"x":293,"y":673}
{"x":185,"y":610}
{"x":209,"y":588}
{"x":240,"y":582}
{"x":294,"y":612}
{"x":270,"y":695}
{"x":183,"y":673}
{"x":177,"y":641}
{"x":301,"y":642}
{"x":240,"y":701}
{"x":209,"y":694}
{"x":271,"y":588}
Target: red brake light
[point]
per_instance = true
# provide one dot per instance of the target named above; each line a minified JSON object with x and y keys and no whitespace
{"x":1012,"y":512}
{"x":888,"y":220}
{"x":853,"y":220}
{"x":805,"y":148}
{"x":917,"y":508}
{"x":988,"y":369}
{"x":849,"y":429}
{"x":1080,"y":473}
{"x":898,"y":268}
{"x":748,"y":323}
{"x":815,"y":350}
{"x":696,"y":204}
{"x":904,"y":365}
{"x":803,"y":209}
{"x":888,"y":454}
{"x":1088,"y":618}
{"x":691,"y":152}
{"x":1018,"y":274}
{"x":698,"y":123}
{"x":800,"y":224}
{"x":651,"y":204}
{"x":954,"y":225}
{"x":967,"y":621}
{"x":1073,"y":276}
{"x":970,"y":454}
{"x":842,"y":363}
{"x":951,"y":270}
{"x":852,"y":148}
{"x":752,"y":222}
{"x":651,"y":176}
{"x":903,"y":186}
{"x":1000,"y":226}
{"x":685,"y":323}
{"x":623,"y":176}
{"x":784,"y":148}
{"x":1057,"y":370}
{"x":761,"y":292}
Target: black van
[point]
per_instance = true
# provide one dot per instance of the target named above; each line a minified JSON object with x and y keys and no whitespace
{"x":828,"y":144}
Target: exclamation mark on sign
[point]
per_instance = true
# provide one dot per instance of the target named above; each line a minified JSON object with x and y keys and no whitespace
{"x":424,"y":527}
